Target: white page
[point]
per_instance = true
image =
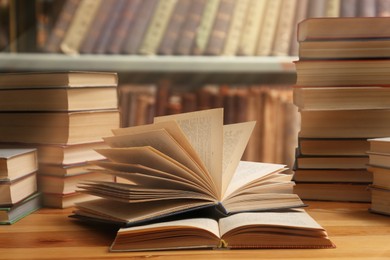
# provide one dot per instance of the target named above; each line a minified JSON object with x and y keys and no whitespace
{"x":204,"y":130}
{"x":247,"y":172}
{"x":298,"y":219}
{"x":235,"y":140}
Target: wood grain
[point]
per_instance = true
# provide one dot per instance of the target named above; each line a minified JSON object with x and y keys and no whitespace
{"x":51,"y":234}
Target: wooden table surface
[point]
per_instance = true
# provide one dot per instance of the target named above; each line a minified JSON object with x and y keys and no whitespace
{"x":50,"y":234}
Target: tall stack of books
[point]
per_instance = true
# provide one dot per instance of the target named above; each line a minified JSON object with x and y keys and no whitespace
{"x":65,"y":115}
{"x":18,"y":184}
{"x":343,"y":96}
{"x":379,"y":165}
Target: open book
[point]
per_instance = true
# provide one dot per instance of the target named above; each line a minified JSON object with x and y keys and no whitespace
{"x":293,"y":229}
{"x":182,"y":163}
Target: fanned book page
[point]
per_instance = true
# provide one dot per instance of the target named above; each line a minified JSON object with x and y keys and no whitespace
{"x":182,"y":163}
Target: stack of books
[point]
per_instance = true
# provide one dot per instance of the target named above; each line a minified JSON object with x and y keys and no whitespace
{"x":379,"y":165}
{"x":64,"y":115}
{"x":186,"y":187}
{"x":19,"y":195}
{"x":343,"y":97}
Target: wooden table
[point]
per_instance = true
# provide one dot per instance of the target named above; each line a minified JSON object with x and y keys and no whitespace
{"x":50,"y":234}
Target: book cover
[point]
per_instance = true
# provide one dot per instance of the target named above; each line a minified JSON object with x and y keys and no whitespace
{"x":26,"y":80}
{"x":17,"y":162}
{"x":11,"y":214}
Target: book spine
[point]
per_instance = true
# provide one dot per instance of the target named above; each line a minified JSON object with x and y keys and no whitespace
{"x":61,"y":26}
{"x":253,"y":22}
{"x":236,"y":26}
{"x":138,"y":28}
{"x":102,"y":44}
{"x":96,"y":27}
{"x":366,"y":8}
{"x":220,"y":28}
{"x":125,"y":21}
{"x":268,"y":29}
{"x":187,"y":34}
{"x":300,"y":15}
{"x":284,"y":29}
{"x":176,"y":22}
{"x":204,"y":30}
{"x":79,"y":26}
{"x":383,"y":8}
{"x":332,"y":8}
{"x":348,"y":8}
{"x":157,"y":27}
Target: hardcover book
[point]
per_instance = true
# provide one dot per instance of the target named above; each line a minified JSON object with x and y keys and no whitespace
{"x":17,"y":162}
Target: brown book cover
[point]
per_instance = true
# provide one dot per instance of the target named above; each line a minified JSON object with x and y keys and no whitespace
{"x":109,"y":27}
{"x":188,"y":31}
{"x":96,"y":29}
{"x":173,"y":29}
{"x":138,"y":29}
{"x":61,"y":26}
{"x":124,"y":23}
{"x":220,"y":27}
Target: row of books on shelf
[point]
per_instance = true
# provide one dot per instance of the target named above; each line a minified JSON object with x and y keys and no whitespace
{"x":341,"y":93}
{"x":174,"y":27}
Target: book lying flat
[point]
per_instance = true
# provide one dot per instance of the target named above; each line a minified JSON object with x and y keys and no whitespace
{"x":17,"y":162}
{"x":293,"y":229}
{"x":57,"y":79}
{"x":13,"y":213}
{"x":181,"y":163}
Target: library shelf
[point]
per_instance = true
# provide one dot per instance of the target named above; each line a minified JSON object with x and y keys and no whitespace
{"x":137,"y":63}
